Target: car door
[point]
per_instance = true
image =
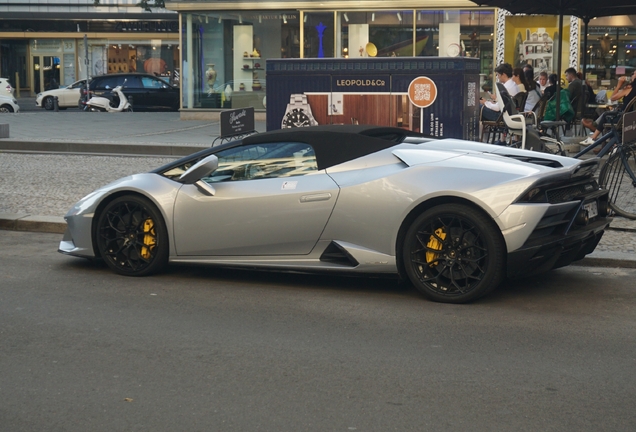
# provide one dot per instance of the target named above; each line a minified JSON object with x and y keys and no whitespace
{"x":134,"y":91}
{"x":70,"y":95}
{"x":157,"y":93}
{"x":269,"y":199}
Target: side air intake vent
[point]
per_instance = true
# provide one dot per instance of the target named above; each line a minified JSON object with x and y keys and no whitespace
{"x":335,"y":254}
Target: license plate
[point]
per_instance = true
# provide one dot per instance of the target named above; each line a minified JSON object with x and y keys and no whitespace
{"x":592,"y":209}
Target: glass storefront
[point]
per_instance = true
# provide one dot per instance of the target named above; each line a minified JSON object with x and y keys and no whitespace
{"x":224,"y":56}
{"x":224,"y":52}
{"x":36,"y":61}
{"x":157,"y":57}
{"x":611,"y":53}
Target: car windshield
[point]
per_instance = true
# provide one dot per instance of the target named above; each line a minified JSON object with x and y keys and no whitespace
{"x":257,"y":161}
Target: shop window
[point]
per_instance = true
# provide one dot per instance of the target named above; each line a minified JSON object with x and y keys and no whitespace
{"x":319,"y":34}
{"x":610,"y":54}
{"x":224,"y":55}
{"x":371,"y":34}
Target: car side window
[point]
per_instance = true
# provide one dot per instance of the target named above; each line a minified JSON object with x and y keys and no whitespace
{"x":149,"y":82}
{"x":106,"y":83}
{"x":132,"y":82}
{"x":261,"y":161}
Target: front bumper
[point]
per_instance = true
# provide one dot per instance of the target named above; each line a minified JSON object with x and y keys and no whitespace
{"x":77,"y":237}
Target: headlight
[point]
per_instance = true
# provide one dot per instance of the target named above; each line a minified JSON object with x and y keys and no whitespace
{"x":15,"y":101}
{"x":39,"y":94}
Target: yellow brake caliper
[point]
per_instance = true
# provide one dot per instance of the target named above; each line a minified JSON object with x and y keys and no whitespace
{"x":433,"y":243}
{"x":150,"y":239}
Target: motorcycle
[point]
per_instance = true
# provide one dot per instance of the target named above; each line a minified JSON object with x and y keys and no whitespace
{"x":104,"y":104}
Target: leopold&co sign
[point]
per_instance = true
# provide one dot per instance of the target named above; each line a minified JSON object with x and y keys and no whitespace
{"x":358,"y":85}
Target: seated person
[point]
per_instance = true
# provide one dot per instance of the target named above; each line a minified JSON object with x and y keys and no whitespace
{"x":550,"y":90}
{"x":627,"y":92}
{"x":575,"y":89}
{"x":543,"y":81}
{"x":534,"y":93}
{"x":490,"y":109}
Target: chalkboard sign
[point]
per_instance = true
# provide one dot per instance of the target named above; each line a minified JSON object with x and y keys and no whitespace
{"x":629,"y":127}
{"x":237,"y":122}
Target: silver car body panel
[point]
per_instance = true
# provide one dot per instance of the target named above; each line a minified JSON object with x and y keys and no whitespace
{"x":277,"y":216}
{"x":359,"y":205}
{"x":369,"y":261}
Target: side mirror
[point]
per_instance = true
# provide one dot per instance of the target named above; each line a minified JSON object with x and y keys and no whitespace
{"x":201,"y":169}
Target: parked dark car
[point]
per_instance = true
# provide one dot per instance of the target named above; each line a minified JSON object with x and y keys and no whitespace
{"x":144,"y":91}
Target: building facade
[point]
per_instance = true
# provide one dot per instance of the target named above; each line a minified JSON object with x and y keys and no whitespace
{"x":45,"y":41}
{"x":224,"y":45}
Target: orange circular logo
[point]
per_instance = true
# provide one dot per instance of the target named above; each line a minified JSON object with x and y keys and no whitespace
{"x":422,"y":92}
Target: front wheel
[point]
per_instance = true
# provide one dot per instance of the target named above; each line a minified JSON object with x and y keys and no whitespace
{"x":619,"y":182}
{"x":131,"y":236}
{"x":453,"y":253}
{"x":48,"y":103}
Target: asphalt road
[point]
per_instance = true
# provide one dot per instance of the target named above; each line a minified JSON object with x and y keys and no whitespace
{"x":200,"y":349}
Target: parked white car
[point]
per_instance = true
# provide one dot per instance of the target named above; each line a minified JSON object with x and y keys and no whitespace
{"x":6,"y":88}
{"x":67,"y":97}
{"x":8,"y":104}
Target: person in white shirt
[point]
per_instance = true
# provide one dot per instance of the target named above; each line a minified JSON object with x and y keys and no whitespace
{"x":490,"y":109}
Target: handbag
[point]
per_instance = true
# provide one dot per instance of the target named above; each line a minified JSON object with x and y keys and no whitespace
{"x":566,"y":111}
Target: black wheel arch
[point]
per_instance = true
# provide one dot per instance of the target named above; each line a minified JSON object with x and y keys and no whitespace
{"x":421,"y":208}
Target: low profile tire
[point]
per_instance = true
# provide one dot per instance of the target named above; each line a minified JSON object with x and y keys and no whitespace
{"x":47,"y":103}
{"x":454,"y":254}
{"x":131,"y":237}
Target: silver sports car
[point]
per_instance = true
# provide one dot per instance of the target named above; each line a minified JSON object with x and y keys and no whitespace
{"x":454,"y":217}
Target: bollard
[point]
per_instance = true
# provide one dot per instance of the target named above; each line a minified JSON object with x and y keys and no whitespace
{"x":56,"y":105}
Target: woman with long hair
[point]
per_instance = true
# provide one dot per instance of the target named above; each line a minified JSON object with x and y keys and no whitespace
{"x":520,"y":79}
{"x":534,"y":91}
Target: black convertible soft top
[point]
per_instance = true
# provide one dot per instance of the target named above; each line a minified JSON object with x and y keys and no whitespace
{"x":335,"y":144}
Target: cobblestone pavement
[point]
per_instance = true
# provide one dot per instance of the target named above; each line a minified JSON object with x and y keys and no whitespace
{"x":48,"y":185}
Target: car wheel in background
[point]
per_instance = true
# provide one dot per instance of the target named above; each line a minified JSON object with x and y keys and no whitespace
{"x":6,"y":109}
{"x":131,"y":236}
{"x":453,"y":253}
{"x":47,"y":103}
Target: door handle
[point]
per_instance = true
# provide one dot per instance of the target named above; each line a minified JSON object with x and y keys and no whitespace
{"x":315,"y":197}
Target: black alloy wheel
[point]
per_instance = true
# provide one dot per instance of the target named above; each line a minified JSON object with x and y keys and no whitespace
{"x":48,"y":103}
{"x":132,"y":237}
{"x":454,"y":254}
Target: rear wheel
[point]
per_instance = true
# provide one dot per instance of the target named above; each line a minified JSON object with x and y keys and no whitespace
{"x":47,"y":103}
{"x":129,"y":109}
{"x":454,"y":254}
{"x":6,"y":109}
{"x":621,"y":186}
{"x":131,"y":236}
